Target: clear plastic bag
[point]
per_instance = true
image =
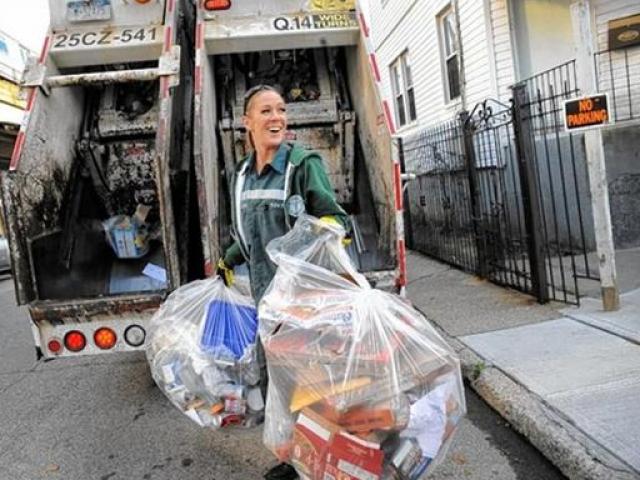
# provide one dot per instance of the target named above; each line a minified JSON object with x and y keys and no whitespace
{"x":359,"y":381}
{"x":202,"y":354}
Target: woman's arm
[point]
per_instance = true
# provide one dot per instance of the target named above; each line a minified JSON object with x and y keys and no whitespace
{"x":315,"y":187}
{"x":233,"y":255}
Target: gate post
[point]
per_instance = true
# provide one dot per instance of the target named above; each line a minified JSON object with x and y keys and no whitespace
{"x":596,"y":165}
{"x":408,"y":229}
{"x":530,"y":192}
{"x":474,"y":193}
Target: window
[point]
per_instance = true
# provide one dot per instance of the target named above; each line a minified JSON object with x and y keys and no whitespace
{"x":403,"y":91}
{"x":450,"y":47}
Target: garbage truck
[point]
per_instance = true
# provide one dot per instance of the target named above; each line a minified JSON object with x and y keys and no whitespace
{"x":315,"y":52}
{"x":118,"y":187}
{"x":100,"y":197}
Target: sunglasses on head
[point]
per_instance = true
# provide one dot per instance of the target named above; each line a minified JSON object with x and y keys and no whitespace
{"x":249,"y":94}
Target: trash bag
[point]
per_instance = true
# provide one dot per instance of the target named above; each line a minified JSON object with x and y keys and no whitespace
{"x":202,"y":354}
{"x":361,"y":385}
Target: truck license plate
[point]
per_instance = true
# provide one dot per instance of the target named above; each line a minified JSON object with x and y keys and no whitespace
{"x":88,"y":10}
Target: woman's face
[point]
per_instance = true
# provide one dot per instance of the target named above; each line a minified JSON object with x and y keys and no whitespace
{"x":266,"y":119}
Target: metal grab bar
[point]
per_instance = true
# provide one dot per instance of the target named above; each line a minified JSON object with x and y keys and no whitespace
{"x":168,"y":65}
{"x":106,"y":78}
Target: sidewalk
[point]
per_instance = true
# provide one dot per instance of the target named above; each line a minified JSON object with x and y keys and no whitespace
{"x":566,"y":378}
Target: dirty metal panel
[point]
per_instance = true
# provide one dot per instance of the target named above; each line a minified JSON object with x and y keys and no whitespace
{"x":329,"y":144}
{"x":244,"y":34}
{"x":35,"y":191}
{"x":122,"y":13}
{"x":114,"y":123}
{"x":302,"y":113}
{"x":207,"y":171}
{"x":130,"y":176}
{"x":85,"y":309}
{"x":103,"y":45}
{"x":275,"y":7}
{"x":375,"y":143}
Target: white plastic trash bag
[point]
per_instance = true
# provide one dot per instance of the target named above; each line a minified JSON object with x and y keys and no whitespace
{"x":360,"y":384}
{"x":202,"y":354}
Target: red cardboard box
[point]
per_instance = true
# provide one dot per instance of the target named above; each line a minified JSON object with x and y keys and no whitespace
{"x":312,"y":436}
{"x":351,"y":458}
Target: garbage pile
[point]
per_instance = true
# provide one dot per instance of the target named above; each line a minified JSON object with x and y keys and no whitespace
{"x":361,"y":386}
{"x":127,"y":235}
{"x":202,"y":354}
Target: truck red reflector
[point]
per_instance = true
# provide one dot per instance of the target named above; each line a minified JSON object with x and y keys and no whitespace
{"x":134,"y":335}
{"x":105,"y":338}
{"x":75,"y":341}
{"x":54,"y":345}
{"x":217,"y":4}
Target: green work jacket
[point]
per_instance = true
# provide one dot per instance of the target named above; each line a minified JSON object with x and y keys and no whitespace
{"x":266,"y":205}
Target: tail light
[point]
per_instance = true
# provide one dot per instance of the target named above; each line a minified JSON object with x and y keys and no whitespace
{"x":217,"y":4}
{"x":142,"y":1}
{"x":105,"y":338}
{"x":134,"y":335}
{"x":75,"y":341}
{"x":54,"y":345}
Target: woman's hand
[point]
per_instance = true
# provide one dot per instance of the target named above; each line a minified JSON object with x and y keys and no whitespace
{"x":224,"y":272}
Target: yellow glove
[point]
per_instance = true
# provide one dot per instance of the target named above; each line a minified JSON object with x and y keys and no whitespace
{"x":225,"y":273}
{"x":331,"y":220}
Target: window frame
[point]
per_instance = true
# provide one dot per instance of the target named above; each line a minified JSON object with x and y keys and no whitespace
{"x":448,"y":36}
{"x":403,"y":90}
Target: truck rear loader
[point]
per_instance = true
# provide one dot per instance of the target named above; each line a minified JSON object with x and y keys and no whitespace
{"x":107,"y":135}
{"x":118,"y":189}
{"x":314,"y":52}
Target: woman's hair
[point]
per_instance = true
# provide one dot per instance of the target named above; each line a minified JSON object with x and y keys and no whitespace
{"x":249,"y":94}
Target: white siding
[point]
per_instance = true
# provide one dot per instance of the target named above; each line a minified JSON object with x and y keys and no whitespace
{"x":475,"y":52}
{"x":417,"y":33}
{"x":606,"y":10}
{"x":412,"y":25}
{"x":503,"y":47}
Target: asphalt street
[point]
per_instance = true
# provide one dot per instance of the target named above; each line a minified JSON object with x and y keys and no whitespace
{"x":103,"y":418}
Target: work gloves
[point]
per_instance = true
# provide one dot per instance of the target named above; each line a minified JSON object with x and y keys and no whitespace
{"x":331,"y":221}
{"x":225,"y":272}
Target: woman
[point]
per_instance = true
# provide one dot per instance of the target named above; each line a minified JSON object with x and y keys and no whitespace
{"x":272,"y":186}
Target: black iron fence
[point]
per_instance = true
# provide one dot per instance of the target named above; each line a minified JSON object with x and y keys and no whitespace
{"x":442,"y":222}
{"x":503,"y":191}
{"x":618,"y":74}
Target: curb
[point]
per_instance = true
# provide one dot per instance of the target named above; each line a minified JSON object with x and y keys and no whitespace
{"x":575,"y":454}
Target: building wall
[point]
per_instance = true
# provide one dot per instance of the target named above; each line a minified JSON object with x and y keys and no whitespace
{"x":487,"y":58}
{"x":13,"y":57}
{"x":503,"y":47}
{"x":621,"y":142}
{"x":475,"y":52}
{"x":606,"y":10}
{"x":412,"y":27}
{"x":488,"y":34}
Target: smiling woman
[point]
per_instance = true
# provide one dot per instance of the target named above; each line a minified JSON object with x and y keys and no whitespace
{"x":271,"y":187}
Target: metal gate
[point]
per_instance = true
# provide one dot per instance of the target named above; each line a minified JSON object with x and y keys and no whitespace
{"x":502,"y":192}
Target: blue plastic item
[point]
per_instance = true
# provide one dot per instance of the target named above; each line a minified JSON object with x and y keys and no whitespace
{"x":228,"y":329}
